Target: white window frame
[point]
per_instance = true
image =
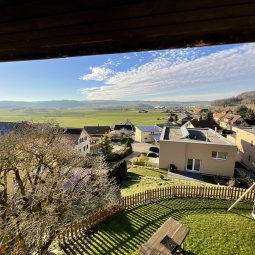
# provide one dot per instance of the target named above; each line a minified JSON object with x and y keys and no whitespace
{"x":217,"y":155}
{"x":193,"y":165}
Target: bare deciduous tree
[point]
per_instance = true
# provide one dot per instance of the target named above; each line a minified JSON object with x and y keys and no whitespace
{"x":43,"y":180}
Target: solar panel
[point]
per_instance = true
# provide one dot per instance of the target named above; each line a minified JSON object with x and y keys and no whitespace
{"x":185,"y":132}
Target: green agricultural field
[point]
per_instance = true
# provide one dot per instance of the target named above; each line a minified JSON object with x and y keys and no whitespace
{"x":82,"y":117}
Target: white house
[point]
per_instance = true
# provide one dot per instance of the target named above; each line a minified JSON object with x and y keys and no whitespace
{"x":83,"y":144}
{"x":90,"y":138}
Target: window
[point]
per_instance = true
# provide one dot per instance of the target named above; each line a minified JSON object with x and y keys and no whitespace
{"x":219,"y":155}
{"x":84,"y":148}
{"x":251,"y":143}
{"x":87,"y":146}
{"x":85,"y":138}
{"x":193,"y":164}
{"x":249,"y":158}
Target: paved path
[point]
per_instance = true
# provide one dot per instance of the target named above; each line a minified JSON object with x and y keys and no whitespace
{"x":138,"y":148}
{"x":187,"y":176}
{"x":141,"y":147}
{"x":130,"y":157}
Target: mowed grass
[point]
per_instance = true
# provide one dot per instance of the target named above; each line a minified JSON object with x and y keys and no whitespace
{"x":212,"y":229}
{"x":137,"y":183}
{"x":83,"y":117}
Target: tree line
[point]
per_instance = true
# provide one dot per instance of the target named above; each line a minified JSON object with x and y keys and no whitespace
{"x":244,"y":98}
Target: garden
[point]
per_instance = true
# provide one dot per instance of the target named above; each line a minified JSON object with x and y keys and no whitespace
{"x":212,"y":229}
{"x":140,"y":179}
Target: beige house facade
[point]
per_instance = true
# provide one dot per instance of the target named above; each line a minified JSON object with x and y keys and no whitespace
{"x":197,"y":150}
{"x":244,"y":139}
{"x":147,"y":134}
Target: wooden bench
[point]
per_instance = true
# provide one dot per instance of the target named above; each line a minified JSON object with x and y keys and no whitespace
{"x":167,"y":240}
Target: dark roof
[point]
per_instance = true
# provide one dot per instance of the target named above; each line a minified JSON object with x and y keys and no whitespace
{"x":127,"y":127}
{"x":7,"y":127}
{"x":97,"y":130}
{"x":73,"y":131}
{"x":49,"y":29}
{"x":161,"y":125}
{"x":205,"y":124}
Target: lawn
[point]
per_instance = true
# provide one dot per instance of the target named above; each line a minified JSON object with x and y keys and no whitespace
{"x":212,"y":229}
{"x":82,"y":117}
{"x":136,"y":183}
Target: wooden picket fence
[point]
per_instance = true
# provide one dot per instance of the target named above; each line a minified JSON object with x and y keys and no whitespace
{"x":75,"y":228}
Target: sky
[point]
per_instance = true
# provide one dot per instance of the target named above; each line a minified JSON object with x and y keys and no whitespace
{"x":189,"y":74}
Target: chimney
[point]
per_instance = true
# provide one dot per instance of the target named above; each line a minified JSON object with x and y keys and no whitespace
{"x":215,"y":131}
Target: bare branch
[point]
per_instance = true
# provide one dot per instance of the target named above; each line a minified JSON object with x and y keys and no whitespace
{"x":51,"y":184}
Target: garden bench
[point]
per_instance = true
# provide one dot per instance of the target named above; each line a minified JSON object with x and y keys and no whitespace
{"x":167,"y":240}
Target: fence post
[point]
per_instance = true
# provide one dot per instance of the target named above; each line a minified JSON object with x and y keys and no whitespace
{"x":75,"y":228}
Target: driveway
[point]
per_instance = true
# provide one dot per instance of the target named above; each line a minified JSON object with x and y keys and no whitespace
{"x":141,"y":147}
{"x":138,"y":148}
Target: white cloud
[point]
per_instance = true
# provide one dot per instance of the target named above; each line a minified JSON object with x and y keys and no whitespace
{"x":98,"y":74}
{"x":174,"y":71}
{"x":86,"y":90}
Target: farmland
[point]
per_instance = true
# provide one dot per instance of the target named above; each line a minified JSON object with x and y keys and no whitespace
{"x":82,"y":117}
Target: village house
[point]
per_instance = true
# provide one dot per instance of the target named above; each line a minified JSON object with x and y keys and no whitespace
{"x":147,"y":134}
{"x":72,"y":135}
{"x":187,"y":115}
{"x":90,"y":138}
{"x":244,"y":139}
{"x":231,"y":120}
{"x":122,"y":129}
{"x":218,"y":115}
{"x":200,"y":150}
{"x":199,"y":123}
{"x":200,"y":111}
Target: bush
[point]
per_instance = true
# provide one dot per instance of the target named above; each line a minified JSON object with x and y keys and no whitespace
{"x":119,"y":171}
{"x":243,"y":180}
{"x":127,"y":140}
{"x":121,"y":154}
{"x":142,"y":160}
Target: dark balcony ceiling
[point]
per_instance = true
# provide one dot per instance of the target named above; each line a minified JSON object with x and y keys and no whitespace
{"x":33,"y":29}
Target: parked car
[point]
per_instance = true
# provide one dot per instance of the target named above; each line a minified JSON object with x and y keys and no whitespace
{"x":152,"y":155}
{"x":154,"y":149}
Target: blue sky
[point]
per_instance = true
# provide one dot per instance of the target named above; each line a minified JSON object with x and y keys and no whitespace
{"x":205,"y":73}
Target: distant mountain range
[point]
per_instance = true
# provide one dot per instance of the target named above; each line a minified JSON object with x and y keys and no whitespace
{"x":95,"y":104}
{"x":243,"y":98}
